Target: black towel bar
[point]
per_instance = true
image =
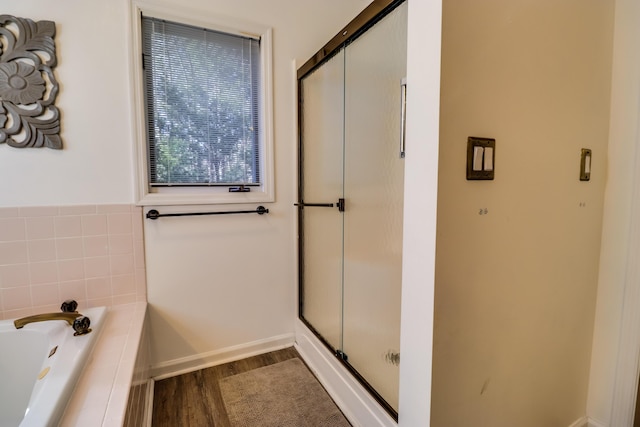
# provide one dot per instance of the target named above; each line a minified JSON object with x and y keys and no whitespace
{"x":154,"y":214}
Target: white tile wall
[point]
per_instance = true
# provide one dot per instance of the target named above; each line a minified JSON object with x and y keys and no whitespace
{"x":91,"y":253}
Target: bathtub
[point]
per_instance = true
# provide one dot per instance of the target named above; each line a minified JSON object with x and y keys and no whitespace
{"x":39,"y":367}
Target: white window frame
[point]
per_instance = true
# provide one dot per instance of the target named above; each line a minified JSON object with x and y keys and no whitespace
{"x":159,"y":196}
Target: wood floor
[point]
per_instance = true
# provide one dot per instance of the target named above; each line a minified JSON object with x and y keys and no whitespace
{"x":194,"y":399}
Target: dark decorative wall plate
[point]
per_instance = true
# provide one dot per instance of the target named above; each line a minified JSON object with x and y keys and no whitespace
{"x":28,"y":88}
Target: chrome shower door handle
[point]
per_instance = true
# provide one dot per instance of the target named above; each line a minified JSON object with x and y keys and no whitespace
{"x":403,"y":116}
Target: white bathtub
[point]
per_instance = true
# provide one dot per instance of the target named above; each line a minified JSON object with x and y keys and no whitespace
{"x":35,"y":385}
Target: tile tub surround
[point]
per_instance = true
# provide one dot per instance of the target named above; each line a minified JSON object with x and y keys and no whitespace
{"x":91,"y":253}
{"x":101,"y":395}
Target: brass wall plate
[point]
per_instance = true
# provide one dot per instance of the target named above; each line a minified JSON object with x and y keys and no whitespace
{"x":481,"y":156}
{"x":585,"y":164}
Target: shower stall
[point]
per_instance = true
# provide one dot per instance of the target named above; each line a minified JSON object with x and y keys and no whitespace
{"x":350,"y":203}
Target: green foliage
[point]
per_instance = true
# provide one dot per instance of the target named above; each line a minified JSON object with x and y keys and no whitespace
{"x":204,"y":111}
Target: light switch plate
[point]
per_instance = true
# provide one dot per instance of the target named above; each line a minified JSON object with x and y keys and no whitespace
{"x":481,"y":156}
{"x":585,"y":164}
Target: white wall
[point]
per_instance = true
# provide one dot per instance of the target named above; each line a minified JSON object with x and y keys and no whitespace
{"x":237,"y":275}
{"x":228,"y":280}
{"x":220,"y":282}
{"x":93,"y":173}
{"x":420,"y":199}
{"x":624,"y":138}
{"x":95,"y":166}
{"x":215,"y":282}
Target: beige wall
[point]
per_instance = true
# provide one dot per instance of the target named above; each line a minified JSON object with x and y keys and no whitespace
{"x":516,"y":287}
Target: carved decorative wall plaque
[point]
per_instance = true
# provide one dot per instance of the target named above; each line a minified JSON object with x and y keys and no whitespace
{"x":28,"y":87}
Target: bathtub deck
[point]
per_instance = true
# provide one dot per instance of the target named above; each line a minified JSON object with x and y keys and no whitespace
{"x":100,"y":397}
{"x":194,"y":399}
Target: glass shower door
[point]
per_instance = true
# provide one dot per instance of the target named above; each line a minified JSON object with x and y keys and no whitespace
{"x":351,"y":252}
{"x":321,"y":186}
{"x":375,"y":65}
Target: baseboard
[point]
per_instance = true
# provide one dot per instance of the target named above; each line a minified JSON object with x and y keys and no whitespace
{"x":353,"y":400}
{"x":580,"y":422}
{"x":184,"y":365}
{"x":594,"y":423}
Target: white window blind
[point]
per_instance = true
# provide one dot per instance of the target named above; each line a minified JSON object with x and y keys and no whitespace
{"x":202,"y":97}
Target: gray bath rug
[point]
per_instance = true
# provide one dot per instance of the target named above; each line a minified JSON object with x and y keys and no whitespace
{"x":285,"y":394}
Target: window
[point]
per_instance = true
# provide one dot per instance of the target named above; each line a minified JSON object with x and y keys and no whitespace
{"x":204,"y":95}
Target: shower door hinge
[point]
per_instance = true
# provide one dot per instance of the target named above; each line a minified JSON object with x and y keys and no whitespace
{"x":342,"y":355}
{"x":340,"y":205}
